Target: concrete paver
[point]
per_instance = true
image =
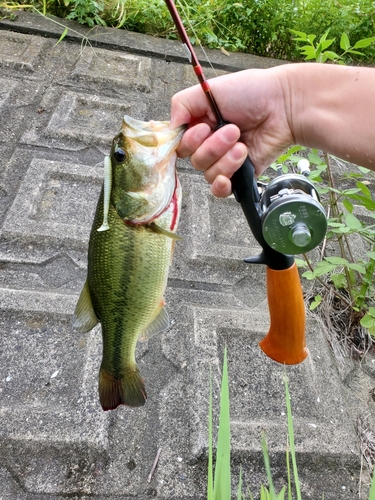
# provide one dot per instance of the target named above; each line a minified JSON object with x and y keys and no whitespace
{"x":60,"y":107}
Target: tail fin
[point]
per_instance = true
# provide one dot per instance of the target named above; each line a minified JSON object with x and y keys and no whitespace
{"x":128,"y":390}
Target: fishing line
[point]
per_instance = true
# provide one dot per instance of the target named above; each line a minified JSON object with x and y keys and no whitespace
{"x":196,"y":38}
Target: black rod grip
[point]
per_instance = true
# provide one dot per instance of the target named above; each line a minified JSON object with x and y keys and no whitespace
{"x":246,"y":192}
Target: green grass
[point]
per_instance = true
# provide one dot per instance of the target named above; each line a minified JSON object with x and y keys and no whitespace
{"x":219,"y":487}
{"x":261,"y":27}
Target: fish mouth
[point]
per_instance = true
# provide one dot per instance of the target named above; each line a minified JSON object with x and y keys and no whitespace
{"x":154,"y":144}
{"x":151,"y":142}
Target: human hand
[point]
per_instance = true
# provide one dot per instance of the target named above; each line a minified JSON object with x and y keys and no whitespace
{"x":255,"y":102}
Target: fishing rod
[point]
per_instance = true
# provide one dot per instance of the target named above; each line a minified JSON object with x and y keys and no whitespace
{"x":285,"y":218}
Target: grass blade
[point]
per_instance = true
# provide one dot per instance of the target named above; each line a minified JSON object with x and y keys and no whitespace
{"x":239,"y":492}
{"x":288,"y":470}
{"x":210,"y":488}
{"x":291,"y":439}
{"x":222,"y":482}
{"x":63,"y":35}
{"x":372,"y":489}
{"x":268,"y":469}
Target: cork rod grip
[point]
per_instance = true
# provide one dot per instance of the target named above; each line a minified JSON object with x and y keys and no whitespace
{"x":285,"y":341}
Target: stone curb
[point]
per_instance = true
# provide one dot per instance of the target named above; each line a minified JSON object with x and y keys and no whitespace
{"x":135,"y":43}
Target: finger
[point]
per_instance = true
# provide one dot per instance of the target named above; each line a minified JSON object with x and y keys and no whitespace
{"x":221,"y":187}
{"x":228,"y":163}
{"x":215,"y":147}
{"x":192,"y":139}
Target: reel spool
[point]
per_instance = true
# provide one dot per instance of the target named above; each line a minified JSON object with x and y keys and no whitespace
{"x":293,"y":221}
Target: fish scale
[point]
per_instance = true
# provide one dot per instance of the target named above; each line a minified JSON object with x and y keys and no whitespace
{"x":118,"y":295}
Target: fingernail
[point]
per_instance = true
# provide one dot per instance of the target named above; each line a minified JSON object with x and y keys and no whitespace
{"x":221,"y":187}
{"x":238,"y":152}
{"x":201,"y":132}
{"x":230,"y":133}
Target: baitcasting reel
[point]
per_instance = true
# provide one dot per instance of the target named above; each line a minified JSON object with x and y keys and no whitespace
{"x":293,"y":220}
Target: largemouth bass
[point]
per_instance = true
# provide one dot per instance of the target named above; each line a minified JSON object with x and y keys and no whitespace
{"x":129,"y":254}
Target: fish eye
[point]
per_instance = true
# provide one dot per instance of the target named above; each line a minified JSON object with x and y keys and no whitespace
{"x":119,"y":154}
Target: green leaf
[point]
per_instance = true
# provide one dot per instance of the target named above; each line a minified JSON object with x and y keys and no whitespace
{"x":365,"y":190}
{"x":326,"y":43}
{"x":348,"y":192}
{"x":348,"y":205}
{"x":321,"y":190}
{"x":63,"y":35}
{"x":299,"y":33}
{"x":371,"y":255}
{"x":331,"y":223}
{"x":344,"y":42}
{"x":309,"y":52}
{"x":295,"y":158}
{"x":334,"y":190}
{"x":324,"y":36}
{"x":338,"y":261}
{"x":339,"y":280}
{"x":332,"y":56}
{"x":341,"y":230}
{"x":365,"y":42}
{"x":357,"y":267}
{"x":315,"y":159}
{"x":300,"y":262}
{"x":352,"y":222}
{"x":368,"y":321}
{"x":351,"y":51}
{"x":316,"y":302}
{"x":321,"y":268}
{"x":294,"y":149}
{"x":364,"y":170}
{"x":364,"y":201}
{"x":309,"y":275}
{"x":311,"y":38}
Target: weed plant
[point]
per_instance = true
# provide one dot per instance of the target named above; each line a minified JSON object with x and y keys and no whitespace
{"x":344,"y":283}
{"x":261,"y":27}
{"x":219,"y":488}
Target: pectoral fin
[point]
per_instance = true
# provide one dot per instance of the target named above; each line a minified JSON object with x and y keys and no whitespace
{"x":159,"y":230}
{"x":84,"y":318}
{"x":158,"y":325}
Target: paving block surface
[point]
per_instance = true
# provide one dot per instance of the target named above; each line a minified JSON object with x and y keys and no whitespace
{"x":60,"y":107}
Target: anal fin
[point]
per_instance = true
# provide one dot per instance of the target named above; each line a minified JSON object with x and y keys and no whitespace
{"x":157,"y":325}
{"x":84,"y":318}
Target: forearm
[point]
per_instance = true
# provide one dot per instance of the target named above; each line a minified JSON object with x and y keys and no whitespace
{"x":332,"y":108}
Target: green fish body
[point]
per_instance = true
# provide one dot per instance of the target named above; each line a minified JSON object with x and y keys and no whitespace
{"x":130,"y":251}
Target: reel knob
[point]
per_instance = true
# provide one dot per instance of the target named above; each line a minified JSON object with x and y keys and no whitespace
{"x":294,"y":221}
{"x":301,"y":235}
